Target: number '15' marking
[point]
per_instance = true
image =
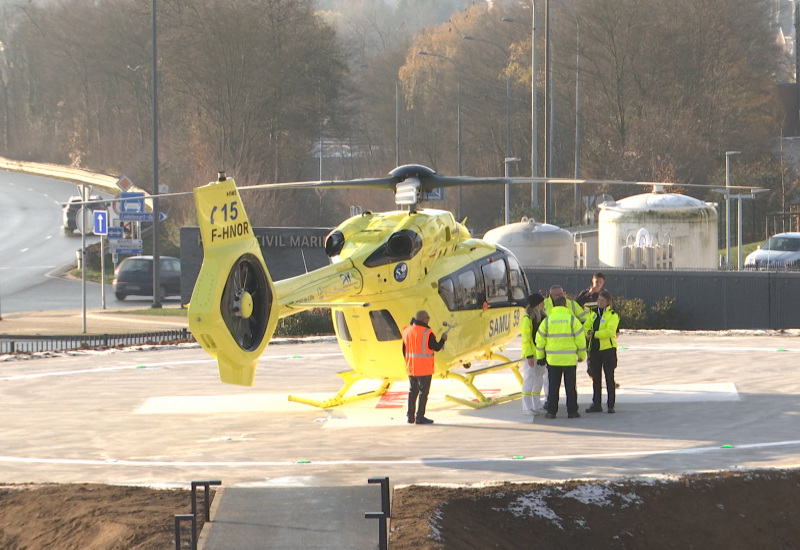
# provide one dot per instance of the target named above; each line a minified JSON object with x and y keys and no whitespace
{"x":228,"y":210}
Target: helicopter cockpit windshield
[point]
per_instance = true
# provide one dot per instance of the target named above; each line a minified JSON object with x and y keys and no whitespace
{"x":494,"y":281}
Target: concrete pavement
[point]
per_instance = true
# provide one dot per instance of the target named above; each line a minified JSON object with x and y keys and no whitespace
{"x":688,"y":402}
{"x":98,"y":321}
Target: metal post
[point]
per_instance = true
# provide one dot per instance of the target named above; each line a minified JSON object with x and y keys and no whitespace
{"x":576,"y":188}
{"x":534,"y":113}
{"x":206,"y":496}
{"x":396,"y":122}
{"x":384,"y":515}
{"x":728,"y":207}
{"x":508,"y":160}
{"x":547,"y":116}
{"x":458,"y":108}
{"x":739,"y":235}
{"x":508,"y":119}
{"x":178,"y":519}
{"x":103,"y":271}
{"x":156,"y":259}
{"x":534,"y":108}
{"x":86,"y":192}
{"x":396,"y":113}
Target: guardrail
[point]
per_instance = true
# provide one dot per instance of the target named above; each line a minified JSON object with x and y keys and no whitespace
{"x":105,"y":181}
{"x":34,"y":344}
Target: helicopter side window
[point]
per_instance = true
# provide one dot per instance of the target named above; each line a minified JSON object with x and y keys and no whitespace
{"x":384,"y":326}
{"x":517,"y":280}
{"x":494,"y":275}
{"x":468,"y":294}
{"x":447,"y":291}
{"x":341,"y":327}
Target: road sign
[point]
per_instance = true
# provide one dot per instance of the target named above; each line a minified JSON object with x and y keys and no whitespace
{"x":132,"y":208}
{"x":125,"y":243}
{"x":434,"y":195}
{"x":141,"y":217}
{"x":126,"y":251}
{"x":100,"y":218}
{"x":79,"y":220}
{"x":114,"y":233}
{"x":124,"y":182}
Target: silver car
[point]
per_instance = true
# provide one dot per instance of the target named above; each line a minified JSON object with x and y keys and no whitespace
{"x":781,"y":251}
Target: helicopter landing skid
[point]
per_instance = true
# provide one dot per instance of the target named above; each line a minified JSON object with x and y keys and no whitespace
{"x":483,"y":401}
{"x":350,"y":377}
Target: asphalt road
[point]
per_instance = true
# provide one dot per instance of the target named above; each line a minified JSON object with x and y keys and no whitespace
{"x":688,"y":402}
{"x":35,"y":250}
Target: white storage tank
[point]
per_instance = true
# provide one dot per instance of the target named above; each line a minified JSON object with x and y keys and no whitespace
{"x":688,"y":224}
{"x":535,"y":244}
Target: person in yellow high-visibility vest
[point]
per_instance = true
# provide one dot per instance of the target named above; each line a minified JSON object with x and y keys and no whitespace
{"x":556,"y":291}
{"x":561,"y":341}
{"x":419,"y":343}
{"x":601,"y":334}
{"x":532,"y":372}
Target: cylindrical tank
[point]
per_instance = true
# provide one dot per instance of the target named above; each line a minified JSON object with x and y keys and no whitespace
{"x":535,"y":244}
{"x":688,"y":223}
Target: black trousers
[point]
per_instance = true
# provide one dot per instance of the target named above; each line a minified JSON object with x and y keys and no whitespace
{"x":603,"y":362}
{"x":420,"y":386}
{"x":554,"y":375}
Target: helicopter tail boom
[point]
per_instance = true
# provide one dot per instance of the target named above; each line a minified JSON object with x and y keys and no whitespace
{"x":234,"y":308}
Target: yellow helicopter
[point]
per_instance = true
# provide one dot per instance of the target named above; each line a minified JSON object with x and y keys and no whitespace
{"x":384,"y":267}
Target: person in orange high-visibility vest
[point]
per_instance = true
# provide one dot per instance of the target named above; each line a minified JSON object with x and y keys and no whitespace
{"x":419,"y":343}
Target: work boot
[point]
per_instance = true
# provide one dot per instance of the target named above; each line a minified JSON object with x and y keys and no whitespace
{"x":595,"y":409}
{"x":423,"y":420}
{"x":574,"y":415}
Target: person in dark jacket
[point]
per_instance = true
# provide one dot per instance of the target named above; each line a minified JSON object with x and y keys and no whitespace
{"x":589,"y":295}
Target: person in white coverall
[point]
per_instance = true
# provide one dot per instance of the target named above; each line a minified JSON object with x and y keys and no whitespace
{"x":532,"y":373}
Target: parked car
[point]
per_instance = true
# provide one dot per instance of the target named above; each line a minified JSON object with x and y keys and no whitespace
{"x":134,"y":277}
{"x":71,"y":209}
{"x":781,"y":251}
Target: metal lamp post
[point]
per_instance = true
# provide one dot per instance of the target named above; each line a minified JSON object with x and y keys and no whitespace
{"x":458,"y":108}
{"x":508,"y":157}
{"x":534,"y":109}
{"x":396,"y":110}
{"x":576,"y":189}
{"x":156,"y":260}
{"x":728,"y":155}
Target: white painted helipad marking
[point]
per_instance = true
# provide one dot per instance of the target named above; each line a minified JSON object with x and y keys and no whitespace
{"x":388,"y":408}
{"x":408,"y":462}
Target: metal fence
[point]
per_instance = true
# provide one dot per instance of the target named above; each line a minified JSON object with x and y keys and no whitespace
{"x":704,"y":300}
{"x":34,"y":344}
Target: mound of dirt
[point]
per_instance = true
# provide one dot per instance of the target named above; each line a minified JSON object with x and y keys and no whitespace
{"x":92,"y":517}
{"x":755,"y":509}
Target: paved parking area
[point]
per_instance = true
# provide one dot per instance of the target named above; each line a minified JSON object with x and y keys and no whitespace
{"x":687,"y":402}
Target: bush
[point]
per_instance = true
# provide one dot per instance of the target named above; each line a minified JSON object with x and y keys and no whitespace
{"x":664,"y":314}
{"x":634,"y":314}
{"x":306,"y":323}
{"x":631,"y":312}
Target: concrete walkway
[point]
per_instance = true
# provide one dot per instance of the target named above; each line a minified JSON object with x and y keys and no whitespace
{"x":293,"y":518}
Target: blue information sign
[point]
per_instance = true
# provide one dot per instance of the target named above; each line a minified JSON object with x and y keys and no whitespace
{"x":132,"y":209}
{"x":100,"y":218}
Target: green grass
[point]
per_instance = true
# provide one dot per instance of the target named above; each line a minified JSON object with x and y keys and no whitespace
{"x":746,"y":249}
